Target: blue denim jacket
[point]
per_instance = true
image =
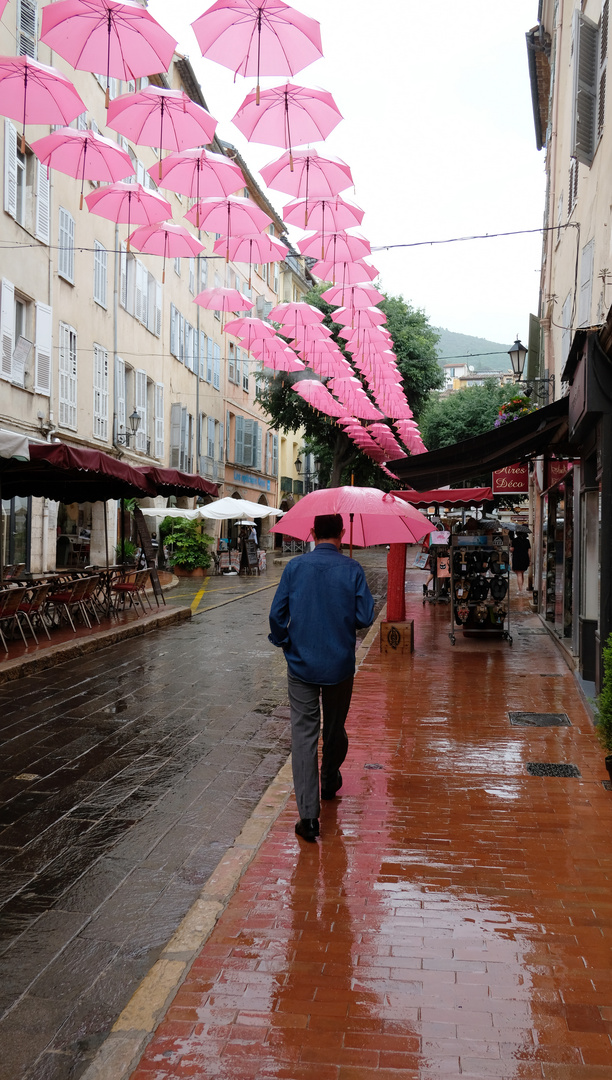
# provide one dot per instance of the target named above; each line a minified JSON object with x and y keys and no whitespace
{"x":321,"y":600}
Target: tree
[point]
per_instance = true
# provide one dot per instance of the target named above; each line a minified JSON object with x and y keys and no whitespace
{"x":466,"y":413}
{"x":415,"y":347}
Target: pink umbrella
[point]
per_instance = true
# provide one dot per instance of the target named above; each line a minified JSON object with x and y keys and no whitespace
{"x":129,"y":203}
{"x":3,"y":4}
{"x":258,"y":37}
{"x":35,"y":93}
{"x":163,"y":118}
{"x":334,"y":213}
{"x":371,"y":516}
{"x":355,"y":296}
{"x":220,"y":299}
{"x":336,"y":247}
{"x":288,"y":116}
{"x":233,"y":216}
{"x":274,"y":354}
{"x":297,"y":313}
{"x":308,"y":335}
{"x":260,"y":248}
{"x":306,"y":173}
{"x":119,"y":38}
{"x":329,"y":366}
{"x":349,"y":273}
{"x":199,"y":173}
{"x":83,"y":154}
{"x":316,"y":395}
{"x":168,"y":240}
{"x":370,"y":316}
{"x":249,"y":330}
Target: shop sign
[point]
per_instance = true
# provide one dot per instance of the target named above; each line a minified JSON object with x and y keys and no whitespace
{"x":513,"y":480}
{"x":254,"y":481}
{"x":556,"y":471}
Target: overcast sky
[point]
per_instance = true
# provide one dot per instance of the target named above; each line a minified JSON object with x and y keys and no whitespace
{"x":438,"y":131}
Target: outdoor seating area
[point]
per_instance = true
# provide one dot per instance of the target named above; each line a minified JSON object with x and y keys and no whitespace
{"x":33,"y":605}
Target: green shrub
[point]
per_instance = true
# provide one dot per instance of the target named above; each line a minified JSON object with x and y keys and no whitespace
{"x":127,"y":553}
{"x":190,"y":546}
{"x":604,"y":700}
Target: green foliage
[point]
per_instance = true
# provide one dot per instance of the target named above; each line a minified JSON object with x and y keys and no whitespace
{"x":126,"y":553}
{"x":461,"y":415}
{"x":519,"y":405}
{"x":415,"y":347}
{"x":190,"y":546}
{"x":604,"y":700}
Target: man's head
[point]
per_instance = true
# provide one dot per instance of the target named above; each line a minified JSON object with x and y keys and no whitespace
{"x":328,"y":529}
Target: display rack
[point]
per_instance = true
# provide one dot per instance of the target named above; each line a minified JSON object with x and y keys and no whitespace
{"x":480,"y":584}
{"x":439,"y":590}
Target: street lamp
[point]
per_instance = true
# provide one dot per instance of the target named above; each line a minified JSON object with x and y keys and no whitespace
{"x":518,"y":355}
{"x":298,"y":464}
{"x":123,"y":437}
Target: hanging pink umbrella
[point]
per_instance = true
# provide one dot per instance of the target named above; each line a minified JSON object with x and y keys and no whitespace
{"x":329,"y":366}
{"x":233,"y":216}
{"x":308,"y":335}
{"x":83,"y":154}
{"x":249,"y":330}
{"x":370,"y":316}
{"x":198,"y":173}
{"x":35,"y":93}
{"x":370,"y":515}
{"x":220,"y":299}
{"x":324,"y":215}
{"x":274,"y":354}
{"x":168,"y":240}
{"x":354,"y":296}
{"x":298,"y":313}
{"x":113,"y":36}
{"x":316,"y":395}
{"x":258,"y":248}
{"x":3,"y":4}
{"x":258,"y":37}
{"x":288,"y":116}
{"x":131,"y":203}
{"x":336,"y":247}
{"x":168,"y":119}
{"x":306,"y":173}
{"x":347,"y":273}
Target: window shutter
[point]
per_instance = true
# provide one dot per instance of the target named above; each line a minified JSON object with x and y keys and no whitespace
{"x":245,"y":375}
{"x":159,"y":421}
{"x":603,"y":67}
{"x":228,"y":448}
{"x":141,"y":409}
{"x":176,"y":412}
{"x":217,"y":370}
{"x":7,"y":328}
{"x":221,"y":441}
{"x":44,"y":349}
{"x":248,"y":443}
{"x":158,"y":308}
{"x":231,"y":366}
{"x":100,"y":408}
{"x":100,"y":273}
{"x":124,"y":276}
{"x":275,"y":455}
{"x":120,"y":394}
{"x":276,"y":277}
{"x":211,"y":437}
{"x":202,"y":355}
{"x":203,"y":272}
{"x":67,"y":376}
{"x":192,"y":275}
{"x":66,"y":245}
{"x":173,"y":314}
{"x":238,"y":366}
{"x":142,"y":283}
{"x":257,"y":444}
{"x":43,"y":193}
{"x":268,"y":467}
{"x":185,"y":439}
{"x":27,"y":26}
{"x":584,"y":97}
{"x":209,"y":360}
{"x":239,"y":441}
{"x":10,"y":168}
{"x":140,"y":173}
{"x":151,"y":294}
{"x":586,"y":283}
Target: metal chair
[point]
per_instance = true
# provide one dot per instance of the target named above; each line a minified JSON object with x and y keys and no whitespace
{"x":10,"y":601}
{"x":134,"y":589}
{"x":89,"y":599}
{"x":33,"y":607}
{"x":70,"y":596}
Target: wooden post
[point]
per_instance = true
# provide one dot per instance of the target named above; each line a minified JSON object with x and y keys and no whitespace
{"x":396,"y":589}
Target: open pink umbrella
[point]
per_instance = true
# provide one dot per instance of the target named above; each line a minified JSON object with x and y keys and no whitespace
{"x":327,"y":365}
{"x":355,"y":296}
{"x":162,"y":118}
{"x":313,"y":391}
{"x":306,"y":173}
{"x":233,"y":216}
{"x":346,"y":273}
{"x":220,"y":299}
{"x":370,"y":516}
{"x":83,"y":154}
{"x":249,"y":330}
{"x":274,"y":354}
{"x":3,"y":4}
{"x":336,"y":247}
{"x":258,"y":37}
{"x":288,"y":116}
{"x":198,"y":173}
{"x":260,"y":248}
{"x":118,"y":37}
{"x":131,"y":203}
{"x":324,"y":215}
{"x":370,"y":316}
{"x":296,"y":314}
{"x":35,"y":93}
{"x":168,"y":240}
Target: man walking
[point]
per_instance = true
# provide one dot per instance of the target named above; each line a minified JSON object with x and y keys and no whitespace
{"x":321,"y":600}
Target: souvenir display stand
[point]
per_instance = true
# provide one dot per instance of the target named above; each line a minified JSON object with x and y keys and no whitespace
{"x":480,"y":583}
{"x":439,"y":560}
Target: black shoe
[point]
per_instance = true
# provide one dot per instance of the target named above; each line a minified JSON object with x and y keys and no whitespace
{"x":307,"y":828}
{"x":330,"y":792}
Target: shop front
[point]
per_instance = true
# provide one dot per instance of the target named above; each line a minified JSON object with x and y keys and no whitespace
{"x":16,"y":531}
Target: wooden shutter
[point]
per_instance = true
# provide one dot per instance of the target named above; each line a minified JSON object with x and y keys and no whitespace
{"x":142,"y":298}
{"x":44,"y":349}
{"x":123,"y":299}
{"x":27,"y":27}
{"x":67,"y":376}
{"x":228,"y":448}
{"x":66,"y":245}
{"x":603,"y":67}
{"x":173,"y":346}
{"x":158,"y":308}
{"x":238,"y":366}
{"x":141,"y":409}
{"x":584,"y":97}
{"x":100,"y":273}
{"x":239,"y":441}
{"x":10,"y":168}
{"x":159,"y":421}
{"x":43,"y":195}
{"x":100,"y":407}
{"x":231,"y":366}
{"x":209,"y":360}
{"x":7,"y":328}
{"x":248,"y":443}
{"x":176,"y":413}
{"x":210,"y":437}
{"x":274,"y":455}
{"x":120,"y":394}
{"x":217,"y":368}
{"x":221,"y":441}
{"x":257,"y":444}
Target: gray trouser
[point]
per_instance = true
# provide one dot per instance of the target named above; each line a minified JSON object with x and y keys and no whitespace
{"x":305,"y":729}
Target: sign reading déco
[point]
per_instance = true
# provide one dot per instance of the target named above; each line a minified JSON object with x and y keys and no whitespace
{"x":513,"y":480}
{"x":557,"y":470}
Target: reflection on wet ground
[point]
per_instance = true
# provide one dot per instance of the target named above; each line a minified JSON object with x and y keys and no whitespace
{"x":454,"y":920}
{"x":125,"y":776}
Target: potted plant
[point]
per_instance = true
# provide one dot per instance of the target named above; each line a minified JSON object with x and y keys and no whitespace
{"x":190,"y":547}
{"x":604,"y":706}
{"x":126,"y":553}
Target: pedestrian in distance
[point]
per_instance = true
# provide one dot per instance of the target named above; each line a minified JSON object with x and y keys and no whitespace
{"x":321,"y":601}
{"x":520,"y":550}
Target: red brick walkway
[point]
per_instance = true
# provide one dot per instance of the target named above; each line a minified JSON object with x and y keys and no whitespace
{"x":455,"y":918}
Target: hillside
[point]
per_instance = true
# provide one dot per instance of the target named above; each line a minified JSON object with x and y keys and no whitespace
{"x":478,"y":352}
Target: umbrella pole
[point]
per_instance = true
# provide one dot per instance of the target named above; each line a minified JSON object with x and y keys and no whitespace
{"x":83,"y":176}
{"x":108,"y":51}
{"x":161,"y":135}
{"x":258,"y":53}
{"x":307,"y":179}
{"x":106,"y":532}
{"x":198,"y":199}
{"x":288,"y":130}
{"x":164,"y":265}
{"x":351,"y":516}
{"x":25,"y":98}
{"x":127,"y":243}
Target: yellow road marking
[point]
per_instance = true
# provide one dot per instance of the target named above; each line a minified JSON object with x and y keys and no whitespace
{"x":198,"y":596}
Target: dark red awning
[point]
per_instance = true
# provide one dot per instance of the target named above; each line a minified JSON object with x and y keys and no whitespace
{"x":482,"y":496}
{"x":71,"y":474}
{"x":175,"y":482}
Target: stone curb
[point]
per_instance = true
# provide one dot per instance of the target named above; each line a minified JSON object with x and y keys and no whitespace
{"x":21,"y":666}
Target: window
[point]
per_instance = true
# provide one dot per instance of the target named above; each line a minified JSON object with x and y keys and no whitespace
{"x":140,"y":387}
{"x":25,"y":341}
{"x":67,"y":376}
{"x":589,"y":86}
{"x":159,"y":421}
{"x":120,"y":395}
{"x":27,"y":24}
{"x":192,"y":276}
{"x":276,"y":277}
{"x":245,"y":375}
{"x":141,"y":294}
{"x":238,"y":366}
{"x":100,"y":273}
{"x":217,"y":367}
{"x":81,"y":122}
{"x":210,"y":437}
{"x":209,"y":360}
{"x":177,"y":267}
{"x":203,"y":353}
{"x":231,"y":362}
{"x":100,"y":404}
{"x":181,"y":435}
{"x":66,"y":246}
{"x":203,"y":273}
{"x":26,"y":186}
{"x":247,"y":442}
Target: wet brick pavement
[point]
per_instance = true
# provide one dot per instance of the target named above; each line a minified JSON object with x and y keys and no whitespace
{"x":124,"y":778}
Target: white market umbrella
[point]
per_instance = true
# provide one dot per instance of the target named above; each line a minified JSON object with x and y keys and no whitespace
{"x":228,"y":509}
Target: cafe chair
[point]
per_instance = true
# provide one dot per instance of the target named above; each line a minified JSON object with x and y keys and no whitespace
{"x":10,"y":615}
{"x":33,"y":607}
{"x":134,"y":589}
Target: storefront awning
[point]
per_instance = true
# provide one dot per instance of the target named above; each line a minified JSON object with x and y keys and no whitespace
{"x":531,"y":435}
{"x":463,"y":497}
